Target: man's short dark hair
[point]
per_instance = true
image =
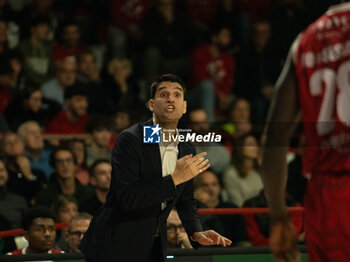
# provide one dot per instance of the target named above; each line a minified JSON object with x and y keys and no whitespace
{"x":98,"y":123}
{"x":166,"y":78}
{"x":75,"y":90}
{"x":53,"y":156}
{"x":40,"y":20}
{"x":34,"y":213}
{"x":95,"y":164}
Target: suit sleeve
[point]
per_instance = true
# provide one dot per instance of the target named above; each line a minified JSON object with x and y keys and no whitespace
{"x":187,"y":210}
{"x":131,"y":192}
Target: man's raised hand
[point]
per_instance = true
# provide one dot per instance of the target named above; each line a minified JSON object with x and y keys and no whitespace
{"x":188,"y":167}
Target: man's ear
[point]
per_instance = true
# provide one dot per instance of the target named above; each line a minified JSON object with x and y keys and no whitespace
{"x":151,"y":104}
{"x":185,"y":107}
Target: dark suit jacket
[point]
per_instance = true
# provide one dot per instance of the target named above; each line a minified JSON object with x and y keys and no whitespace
{"x":124,"y":227}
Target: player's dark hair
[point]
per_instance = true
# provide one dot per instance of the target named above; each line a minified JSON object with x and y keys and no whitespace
{"x":34,"y":213}
{"x":166,"y":78}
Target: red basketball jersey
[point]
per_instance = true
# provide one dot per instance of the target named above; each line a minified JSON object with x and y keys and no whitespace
{"x":321,"y":56}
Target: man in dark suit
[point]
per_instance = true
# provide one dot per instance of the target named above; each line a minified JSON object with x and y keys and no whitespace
{"x":148,"y":180}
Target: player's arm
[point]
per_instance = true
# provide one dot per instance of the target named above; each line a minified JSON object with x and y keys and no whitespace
{"x":283,"y":117}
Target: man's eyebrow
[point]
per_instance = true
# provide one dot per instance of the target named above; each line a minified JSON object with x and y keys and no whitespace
{"x":163,"y":87}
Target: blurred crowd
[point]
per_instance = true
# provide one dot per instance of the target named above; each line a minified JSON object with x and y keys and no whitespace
{"x":73,"y":74}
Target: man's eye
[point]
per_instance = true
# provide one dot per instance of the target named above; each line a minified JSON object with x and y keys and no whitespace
{"x":163,"y":94}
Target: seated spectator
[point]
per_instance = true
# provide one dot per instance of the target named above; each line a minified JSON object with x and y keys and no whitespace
{"x":28,"y":105}
{"x":65,"y":77}
{"x":176,"y":234}
{"x":69,"y":45}
{"x":212,"y":72}
{"x":100,"y":179}
{"x":231,"y":226}
{"x":79,"y":150}
{"x":23,"y":180}
{"x":257,"y":70}
{"x":121,"y":88}
{"x":88,"y":74}
{"x":37,"y":52}
{"x":65,"y":208}
{"x":7,"y":83}
{"x":100,"y":136}
{"x":242,"y":179}
{"x":32,"y":137}
{"x":12,"y":205}
{"x":73,"y":118}
{"x":63,"y":180}
{"x":3,"y":125}
{"x":78,"y":225}
{"x":40,"y":232}
{"x":217,"y":154}
{"x":122,"y":120}
{"x":3,"y":36}
{"x":168,"y":38}
{"x":258,"y":225}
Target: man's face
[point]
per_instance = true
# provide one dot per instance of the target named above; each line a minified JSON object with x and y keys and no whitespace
{"x":223,"y":39}
{"x":241,"y":111}
{"x":12,"y":146}
{"x":71,"y":35}
{"x":87,"y":64}
{"x":261,"y":34}
{"x":3,"y":174}
{"x":210,"y":183}
{"x":168,"y":105}
{"x":66,"y":212}
{"x":34,"y":102}
{"x":102,"y":137}
{"x":66,"y":72}
{"x":65,"y":166}
{"x":41,"y":234}
{"x":199,"y":122}
{"x":76,"y":233}
{"x":78,"y":105}
{"x":102,"y":176}
{"x":174,"y":228}
{"x":41,"y":31}
{"x":33,"y":139}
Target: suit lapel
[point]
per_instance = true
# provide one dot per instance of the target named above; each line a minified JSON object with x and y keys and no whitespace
{"x":152,"y":152}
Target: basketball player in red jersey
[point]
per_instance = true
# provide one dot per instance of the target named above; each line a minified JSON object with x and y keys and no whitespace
{"x":314,"y":86}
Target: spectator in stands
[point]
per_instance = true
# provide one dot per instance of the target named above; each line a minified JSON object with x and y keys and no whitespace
{"x":100,"y":179}
{"x":99,"y":129}
{"x":63,"y":180}
{"x":88,"y":75}
{"x":65,"y":208}
{"x":3,"y":125}
{"x":176,"y":234}
{"x":23,"y":179}
{"x":65,"y":77}
{"x":257,"y":71}
{"x":69,"y":45}
{"x":121,"y":88}
{"x":29,"y":104}
{"x":217,"y":154}
{"x":169,"y":37}
{"x":239,"y":124}
{"x":73,"y":118}
{"x":39,"y":231}
{"x":242,"y":179}
{"x":32,"y":137}
{"x":79,"y":150}
{"x":258,"y":225}
{"x":231,"y":225}
{"x":37,"y":52}
{"x":12,"y":205}
{"x":212,"y":72}
{"x":125,"y":17}
{"x":76,"y":229}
